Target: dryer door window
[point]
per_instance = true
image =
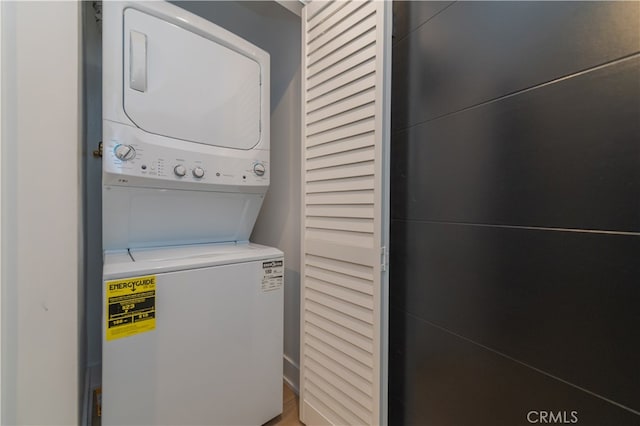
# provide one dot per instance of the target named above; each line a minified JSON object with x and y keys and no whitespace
{"x":185,"y":86}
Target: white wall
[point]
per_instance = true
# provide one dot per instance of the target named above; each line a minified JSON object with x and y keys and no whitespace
{"x":279,"y":222}
{"x":41,"y":213}
{"x":275,"y":29}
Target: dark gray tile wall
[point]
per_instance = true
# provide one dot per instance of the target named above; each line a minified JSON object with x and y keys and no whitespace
{"x":564,"y":302}
{"x":457,"y":382}
{"x":473,"y":52}
{"x":515,"y":252}
{"x":559,"y":156}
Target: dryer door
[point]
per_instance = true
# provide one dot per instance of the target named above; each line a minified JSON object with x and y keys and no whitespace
{"x":185,"y":86}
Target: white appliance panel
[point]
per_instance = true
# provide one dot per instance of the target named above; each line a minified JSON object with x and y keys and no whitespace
{"x":145,"y":217}
{"x":215,"y":356}
{"x":153,"y":159}
{"x":185,"y":86}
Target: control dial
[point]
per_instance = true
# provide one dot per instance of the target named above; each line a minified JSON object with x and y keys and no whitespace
{"x":180,"y":170}
{"x":259,"y":169}
{"x":198,"y":172}
{"x":124,"y":152}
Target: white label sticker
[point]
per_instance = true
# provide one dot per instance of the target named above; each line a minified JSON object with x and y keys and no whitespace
{"x":272,"y":275}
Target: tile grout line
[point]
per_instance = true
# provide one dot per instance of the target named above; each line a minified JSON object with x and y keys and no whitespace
{"x":524,"y":364}
{"x":425,"y":22}
{"x":629,"y":57}
{"x":528,"y":228}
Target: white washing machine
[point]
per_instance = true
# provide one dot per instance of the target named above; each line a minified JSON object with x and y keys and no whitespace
{"x":193,"y":335}
{"x":192,"y":312}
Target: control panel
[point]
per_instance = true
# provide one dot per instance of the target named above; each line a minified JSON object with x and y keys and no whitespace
{"x":133,"y":161}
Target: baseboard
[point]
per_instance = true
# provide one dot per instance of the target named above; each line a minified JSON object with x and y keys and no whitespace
{"x":291,"y":373}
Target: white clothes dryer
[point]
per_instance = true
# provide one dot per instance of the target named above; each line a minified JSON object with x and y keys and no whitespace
{"x":185,"y":128}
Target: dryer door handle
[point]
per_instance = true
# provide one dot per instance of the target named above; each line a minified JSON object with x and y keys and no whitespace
{"x":137,"y":61}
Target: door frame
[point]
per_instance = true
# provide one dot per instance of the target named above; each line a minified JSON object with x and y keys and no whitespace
{"x":1,"y":280}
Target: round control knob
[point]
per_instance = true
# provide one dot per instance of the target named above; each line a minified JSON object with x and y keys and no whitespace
{"x":180,"y":170}
{"x":124,"y":152}
{"x":259,"y":169}
{"x":198,"y":172}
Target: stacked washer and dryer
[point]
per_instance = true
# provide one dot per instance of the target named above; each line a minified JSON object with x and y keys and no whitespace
{"x":192,"y":311}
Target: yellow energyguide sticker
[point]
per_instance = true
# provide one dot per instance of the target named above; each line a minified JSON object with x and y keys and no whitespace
{"x":131,"y":306}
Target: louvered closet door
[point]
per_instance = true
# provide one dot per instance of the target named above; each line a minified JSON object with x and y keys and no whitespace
{"x":346,"y":56}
